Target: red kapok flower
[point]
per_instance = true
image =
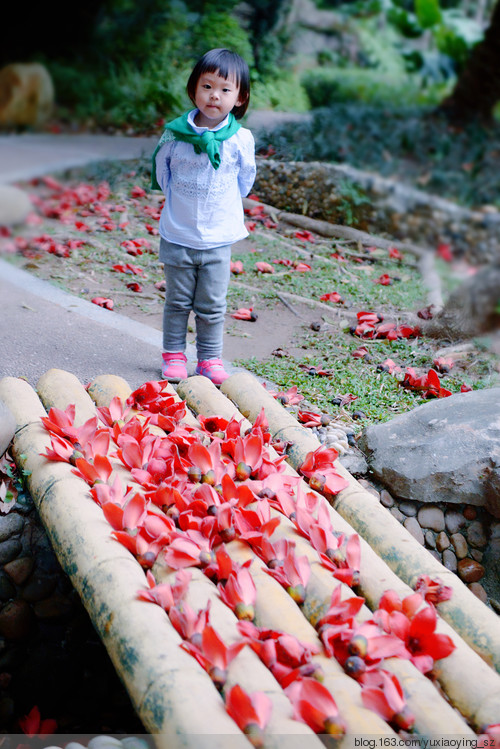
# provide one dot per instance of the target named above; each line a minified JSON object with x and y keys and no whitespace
{"x":433,"y":590}
{"x":237,"y":267}
{"x":333,"y":296}
{"x":319,"y":469}
{"x":33,"y":725}
{"x":244,"y":313}
{"x":313,"y":704}
{"x":263,"y":267}
{"x":383,"y":694}
{"x":384,"y":280}
{"x":251,"y":712}
{"x":239,"y":592}
{"x":213,"y":655}
{"x":102,"y":301}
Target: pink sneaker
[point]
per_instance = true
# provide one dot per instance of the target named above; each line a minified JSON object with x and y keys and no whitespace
{"x":174,"y":366}
{"x":213,"y":369}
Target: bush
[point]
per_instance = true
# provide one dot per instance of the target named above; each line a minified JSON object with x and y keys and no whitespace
{"x":326,"y":86}
{"x":215,"y":29}
{"x":284,"y":92}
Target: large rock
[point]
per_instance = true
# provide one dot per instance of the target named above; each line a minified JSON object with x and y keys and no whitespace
{"x":15,"y":205}
{"x":26,"y":94}
{"x":447,"y":450}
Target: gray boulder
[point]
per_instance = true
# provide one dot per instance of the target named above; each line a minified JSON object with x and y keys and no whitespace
{"x":447,"y":450}
{"x":7,"y":427}
{"x":15,"y":205}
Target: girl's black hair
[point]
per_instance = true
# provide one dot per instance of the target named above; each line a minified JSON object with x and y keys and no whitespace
{"x":228,"y":65}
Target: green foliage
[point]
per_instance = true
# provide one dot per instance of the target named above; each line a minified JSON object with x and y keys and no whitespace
{"x":428,"y":13}
{"x":453,"y":34}
{"x":283,"y":91}
{"x":327,"y":86}
{"x":351,"y":194}
{"x":217,"y":29}
{"x":130,"y":32}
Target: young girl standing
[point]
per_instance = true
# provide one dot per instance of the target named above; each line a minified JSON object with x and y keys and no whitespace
{"x":204,"y":164}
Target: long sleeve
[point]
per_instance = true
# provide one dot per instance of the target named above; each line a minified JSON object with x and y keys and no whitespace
{"x":248,"y":170}
{"x":162,"y":164}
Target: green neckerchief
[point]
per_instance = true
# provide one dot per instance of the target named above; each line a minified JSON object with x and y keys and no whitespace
{"x":206,"y":142}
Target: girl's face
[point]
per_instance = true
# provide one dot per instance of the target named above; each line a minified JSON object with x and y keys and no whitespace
{"x":215,"y":97}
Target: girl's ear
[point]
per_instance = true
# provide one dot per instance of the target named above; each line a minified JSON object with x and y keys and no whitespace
{"x":241,"y":100}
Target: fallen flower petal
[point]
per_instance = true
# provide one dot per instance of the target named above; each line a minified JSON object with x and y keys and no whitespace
{"x":263,"y":267}
{"x":334,"y":296}
{"x":395,"y":253}
{"x":244,"y":313}
{"x":304,"y":235}
{"x":134,"y":286}
{"x":251,"y":712}
{"x":236,"y":267}
{"x":384,"y":695}
{"x":433,"y":590}
{"x":313,"y":704}
{"x":301,"y":267}
{"x":32,"y":725}
{"x":443,"y":364}
{"x":103,"y":302}
{"x":444,"y":252}
{"x":384,"y":280}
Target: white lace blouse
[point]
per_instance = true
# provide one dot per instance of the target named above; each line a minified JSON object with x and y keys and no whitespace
{"x":203,"y":207}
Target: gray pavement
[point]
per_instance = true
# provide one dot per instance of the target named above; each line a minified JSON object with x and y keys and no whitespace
{"x":31,"y":155}
{"x":41,"y":326}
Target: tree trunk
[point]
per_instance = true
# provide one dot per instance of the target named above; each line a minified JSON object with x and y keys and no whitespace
{"x":478,"y":87}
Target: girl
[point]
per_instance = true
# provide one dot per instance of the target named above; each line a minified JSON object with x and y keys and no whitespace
{"x":204,"y":164}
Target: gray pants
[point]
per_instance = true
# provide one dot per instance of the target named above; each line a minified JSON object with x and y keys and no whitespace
{"x":195,"y":280}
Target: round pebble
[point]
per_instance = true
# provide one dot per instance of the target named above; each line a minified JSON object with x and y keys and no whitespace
{"x":460,"y":545}
{"x":369,"y":488}
{"x":53,"y":607}
{"x":479,"y":591}
{"x":430,"y":540}
{"x":19,"y":569}
{"x":476,"y":536}
{"x":397,"y":514}
{"x":38,"y":588}
{"x":9,"y":550}
{"x":435,"y":554}
{"x":103,"y":742}
{"x":470,"y":512}
{"x":476,"y":554}
{"x":15,"y":620}
{"x":432,"y":517}
{"x":7,"y":588}
{"x":10,"y":525}
{"x":386,"y":499}
{"x":454,"y":521}
{"x":450,"y":560}
{"x":408,"y":508}
{"x":413,"y":527}
{"x":469,"y":570}
{"x":442,"y":541}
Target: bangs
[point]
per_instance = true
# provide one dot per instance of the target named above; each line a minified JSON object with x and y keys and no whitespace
{"x":228,"y":65}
